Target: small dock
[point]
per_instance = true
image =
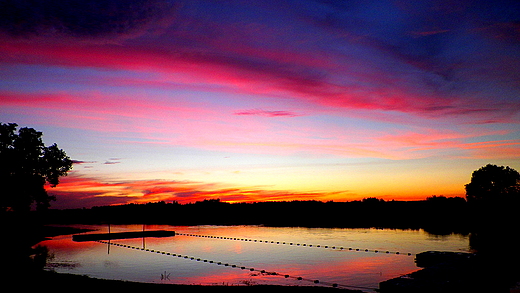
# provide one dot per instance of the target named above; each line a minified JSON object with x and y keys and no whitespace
{"x":122,"y":235}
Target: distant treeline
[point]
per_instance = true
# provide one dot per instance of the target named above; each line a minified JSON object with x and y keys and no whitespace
{"x":437,"y":214}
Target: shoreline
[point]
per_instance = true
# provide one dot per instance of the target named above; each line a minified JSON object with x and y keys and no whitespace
{"x":59,"y":281}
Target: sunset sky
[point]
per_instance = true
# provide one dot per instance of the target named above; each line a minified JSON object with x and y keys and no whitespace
{"x":264,"y":100}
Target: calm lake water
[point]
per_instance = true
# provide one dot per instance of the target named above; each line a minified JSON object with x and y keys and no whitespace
{"x":339,"y":265}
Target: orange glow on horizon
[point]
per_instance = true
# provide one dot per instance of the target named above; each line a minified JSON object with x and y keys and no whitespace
{"x":79,"y":190}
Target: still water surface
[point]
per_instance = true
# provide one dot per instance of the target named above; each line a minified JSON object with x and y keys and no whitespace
{"x":341,"y":266}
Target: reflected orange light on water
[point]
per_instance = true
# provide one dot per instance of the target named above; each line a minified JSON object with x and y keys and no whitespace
{"x":203,"y":259}
{"x":65,"y":244}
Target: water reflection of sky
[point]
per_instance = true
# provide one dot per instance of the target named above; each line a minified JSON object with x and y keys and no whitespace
{"x":357,"y":268}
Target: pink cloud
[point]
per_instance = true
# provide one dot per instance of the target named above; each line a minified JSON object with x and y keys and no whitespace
{"x":170,"y":122}
{"x":430,"y":141}
{"x":249,"y":70}
{"x":136,"y":119}
{"x":104,"y":112}
{"x":502,"y":149}
{"x":180,"y":123}
{"x":382,"y":85}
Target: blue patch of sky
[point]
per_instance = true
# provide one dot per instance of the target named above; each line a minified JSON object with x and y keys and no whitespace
{"x":38,"y":78}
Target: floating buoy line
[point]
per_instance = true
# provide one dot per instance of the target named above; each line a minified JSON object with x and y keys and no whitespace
{"x":297,"y":244}
{"x":202,"y":260}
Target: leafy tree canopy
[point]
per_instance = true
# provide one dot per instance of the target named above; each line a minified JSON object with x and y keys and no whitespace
{"x":493,"y":184}
{"x":26,"y":165}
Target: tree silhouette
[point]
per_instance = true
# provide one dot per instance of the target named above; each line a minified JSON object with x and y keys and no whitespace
{"x":493,"y":184}
{"x":26,"y":165}
{"x":494,"y":196}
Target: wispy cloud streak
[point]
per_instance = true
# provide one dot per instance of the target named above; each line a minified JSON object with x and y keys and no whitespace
{"x":266,"y":113}
{"x":76,"y":192}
